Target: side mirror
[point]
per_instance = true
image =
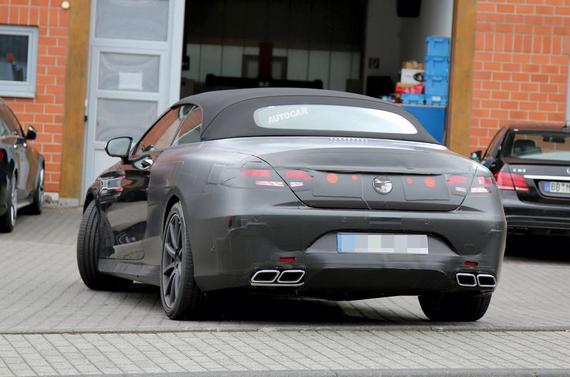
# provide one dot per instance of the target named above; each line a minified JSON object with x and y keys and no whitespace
{"x":31,"y":134}
{"x":119,"y":147}
{"x":476,"y":156}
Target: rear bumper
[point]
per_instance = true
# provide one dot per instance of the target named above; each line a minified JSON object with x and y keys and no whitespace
{"x":528,"y":216}
{"x":257,"y":242}
{"x":336,"y":276}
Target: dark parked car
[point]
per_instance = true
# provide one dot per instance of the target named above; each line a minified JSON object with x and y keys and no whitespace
{"x":294,"y":192}
{"x":21,"y":170}
{"x":532,"y":168}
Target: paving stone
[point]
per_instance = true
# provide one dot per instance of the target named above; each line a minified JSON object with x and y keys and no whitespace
{"x":50,"y":323}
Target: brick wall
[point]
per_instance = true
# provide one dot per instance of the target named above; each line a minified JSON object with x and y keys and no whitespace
{"x":45,"y":111}
{"x":521,"y":65}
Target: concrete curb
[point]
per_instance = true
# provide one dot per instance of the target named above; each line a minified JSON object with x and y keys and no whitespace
{"x":295,"y":328}
{"x":371,"y":373}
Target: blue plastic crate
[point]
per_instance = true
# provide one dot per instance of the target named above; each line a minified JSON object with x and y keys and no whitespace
{"x":437,"y":85}
{"x":436,"y":100}
{"x":437,"y":46}
{"x":432,"y":118}
{"x":437,"y":66}
{"x":412,"y":99}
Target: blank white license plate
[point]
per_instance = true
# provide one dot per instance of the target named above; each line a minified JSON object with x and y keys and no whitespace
{"x":382,"y":243}
{"x":557,"y":187}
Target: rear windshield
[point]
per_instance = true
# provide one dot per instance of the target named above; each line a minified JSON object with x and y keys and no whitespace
{"x":313,"y":117}
{"x":546,"y":146}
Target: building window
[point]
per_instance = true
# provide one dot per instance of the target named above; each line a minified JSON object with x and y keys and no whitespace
{"x":18,"y":57}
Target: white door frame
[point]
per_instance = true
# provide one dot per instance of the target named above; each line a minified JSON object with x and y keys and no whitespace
{"x":170,"y":54}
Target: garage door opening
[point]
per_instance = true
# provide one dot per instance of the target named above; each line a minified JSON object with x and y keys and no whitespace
{"x":349,"y":45}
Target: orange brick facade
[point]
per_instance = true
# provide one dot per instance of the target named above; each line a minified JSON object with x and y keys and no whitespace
{"x":521,"y":62}
{"x":45,"y":111}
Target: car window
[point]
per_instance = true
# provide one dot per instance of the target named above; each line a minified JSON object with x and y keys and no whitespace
{"x":540,"y":145}
{"x":4,"y":131}
{"x":162,"y":133}
{"x":316,"y":117}
{"x":9,"y":120}
{"x":492,"y":149}
{"x":190,"y":129}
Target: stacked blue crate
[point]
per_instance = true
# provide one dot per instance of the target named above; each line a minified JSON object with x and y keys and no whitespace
{"x":412,"y":99}
{"x":437,"y":70}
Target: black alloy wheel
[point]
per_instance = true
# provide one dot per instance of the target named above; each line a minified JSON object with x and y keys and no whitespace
{"x":180,"y":295}
{"x":38,"y":199}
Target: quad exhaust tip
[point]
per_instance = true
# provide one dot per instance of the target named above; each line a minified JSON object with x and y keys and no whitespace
{"x":264,"y":277}
{"x":486,"y":281}
{"x":471,"y":280}
{"x":466,"y":280}
{"x":291,"y":276}
{"x":276,"y":278}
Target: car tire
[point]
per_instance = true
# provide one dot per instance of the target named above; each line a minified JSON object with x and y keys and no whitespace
{"x":180,"y":295}
{"x":455,"y":307}
{"x":8,"y":219}
{"x":37,"y":201}
{"x":89,"y":246}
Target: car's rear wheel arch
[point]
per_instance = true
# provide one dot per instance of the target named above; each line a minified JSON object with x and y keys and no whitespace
{"x":88,"y":199}
{"x":169,"y":204}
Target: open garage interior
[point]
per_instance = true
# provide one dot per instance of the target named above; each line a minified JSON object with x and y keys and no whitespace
{"x":349,"y":45}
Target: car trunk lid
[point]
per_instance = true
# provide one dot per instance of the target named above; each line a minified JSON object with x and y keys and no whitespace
{"x":540,"y":182}
{"x":371,"y":174}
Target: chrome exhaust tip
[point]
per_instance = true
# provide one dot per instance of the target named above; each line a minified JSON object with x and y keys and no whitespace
{"x":265,"y":277}
{"x":466,"y":280}
{"x":291,"y":277}
{"x":486,"y":281}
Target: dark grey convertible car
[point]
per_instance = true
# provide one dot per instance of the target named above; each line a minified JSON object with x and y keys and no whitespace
{"x":294,"y":192}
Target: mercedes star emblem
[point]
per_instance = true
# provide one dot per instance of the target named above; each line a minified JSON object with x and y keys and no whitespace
{"x":382,"y":185}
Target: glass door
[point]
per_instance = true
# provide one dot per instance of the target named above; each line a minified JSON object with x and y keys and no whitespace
{"x":132,"y":50}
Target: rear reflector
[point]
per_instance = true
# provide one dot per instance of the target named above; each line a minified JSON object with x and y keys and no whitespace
{"x":471,"y":263}
{"x":287,"y":259}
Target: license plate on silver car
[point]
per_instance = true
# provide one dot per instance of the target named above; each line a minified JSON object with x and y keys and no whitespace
{"x":382,"y":243}
{"x":557,"y":187}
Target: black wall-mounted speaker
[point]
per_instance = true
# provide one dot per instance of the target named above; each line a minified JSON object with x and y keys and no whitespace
{"x":408,"y":8}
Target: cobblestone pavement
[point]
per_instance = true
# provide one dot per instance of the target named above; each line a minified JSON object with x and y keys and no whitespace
{"x":284,"y":350}
{"x":50,"y":323}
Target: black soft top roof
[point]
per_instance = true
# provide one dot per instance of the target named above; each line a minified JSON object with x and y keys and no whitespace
{"x":229,"y":113}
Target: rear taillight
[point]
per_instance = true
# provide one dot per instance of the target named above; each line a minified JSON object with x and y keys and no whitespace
{"x":2,"y":155}
{"x":264,"y":173}
{"x":296,"y":178}
{"x":458,"y":184}
{"x":298,"y":175}
{"x":253,"y":173}
{"x":510,"y":181}
{"x":261,"y":178}
{"x":482,"y":183}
